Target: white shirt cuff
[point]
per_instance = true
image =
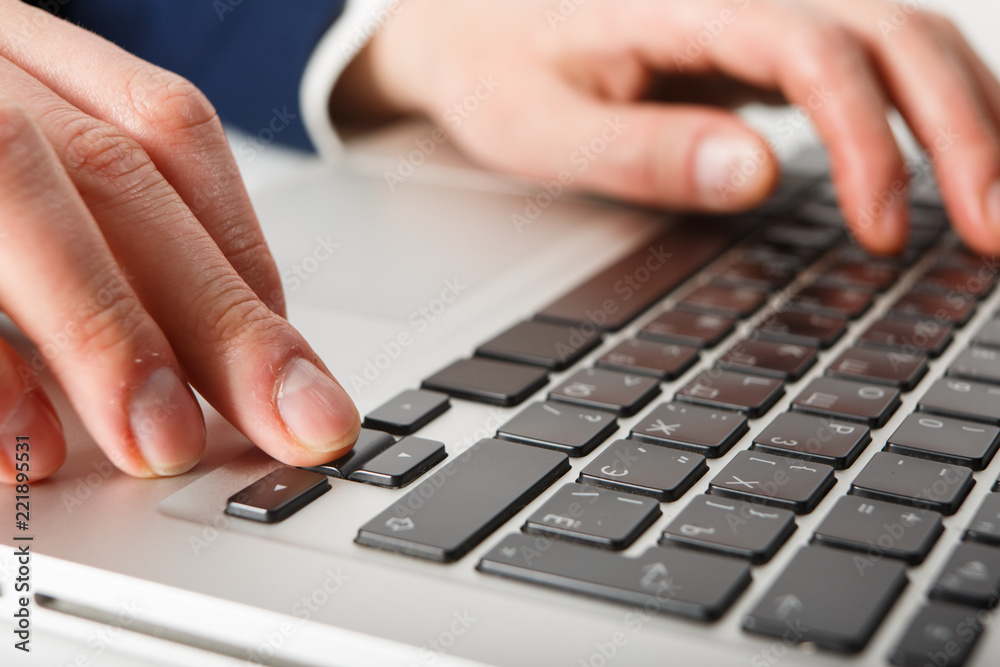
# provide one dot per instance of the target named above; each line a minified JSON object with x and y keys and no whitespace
{"x":341,"y":43}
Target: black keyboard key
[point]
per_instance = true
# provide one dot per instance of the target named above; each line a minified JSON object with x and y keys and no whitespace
{"x":368,"y":445}
{"x":809,"y":329}
{"x":988,"y":335}
{"x":774,"y":480}
{"x":926,"y":336}
{"x":670,"y":581}
{"x":902,"y":479}
{"x":844,"y":302}
{"x":779,"y":254}
{"x":619,"y":293}
{"x":688,"y":427}
{"x":940,"y":635}
{"x":401,"y":464}
{"x":872,"y":276}
{"x":946,"y":440}
{"x":952,"y":308}
{"x":977,"y":363}
{"x":277,"y":495}
{"x":734,"y":302}
{"x":954,"y":280}
{"x":696,"y":329}
{"x":594,"y":516}
{"x":488,"y":381}
{"x":903,"y":370}
{"x":621,"y":393}
{"x":718,"y":388}
{"x":764,"y":357}
{"x":818,"y":237}
{"x":970,"y":577}
{"x":963,"y":399}
{"x":985,"y":526}
{"x":730,"y":527}
{"x":880,"y":529}
{"x":845,"y":399}
{"x":408,"y":412}
{"x":645,"y":470}
{"x":566,"y":428}
{"x":819,"y":439}
{"x":665,"y":361}
{"x":823,"y":597}
{"x":554,"y":346}
{"x":455,"y":508}
{"x":762,"y":276}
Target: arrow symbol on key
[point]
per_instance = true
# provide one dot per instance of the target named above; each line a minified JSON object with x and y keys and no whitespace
{"x":403,"y":455}
{"x":280,"y":487}
{"x":786,"y":606}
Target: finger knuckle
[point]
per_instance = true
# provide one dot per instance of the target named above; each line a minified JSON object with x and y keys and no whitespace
{"x":16,"y":126}
{"x":828,"y":39}
{"x":925,"y":23}
{"x":171,"y":104}
{"x":934,"y":21}
{"x":227,"y":314}
{"x":115,"y":322}
{"x":103,"y":151}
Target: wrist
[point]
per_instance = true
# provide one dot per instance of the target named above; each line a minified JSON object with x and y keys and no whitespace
{"x":384,"y":80}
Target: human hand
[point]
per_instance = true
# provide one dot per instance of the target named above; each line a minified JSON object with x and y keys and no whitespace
{"x":131,"y":256}
{"x":603,"y":92}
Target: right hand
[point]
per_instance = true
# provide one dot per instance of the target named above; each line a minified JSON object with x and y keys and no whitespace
{"x":131,"y":256}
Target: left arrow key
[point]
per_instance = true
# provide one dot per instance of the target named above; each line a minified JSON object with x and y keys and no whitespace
{"x":277,"y":495}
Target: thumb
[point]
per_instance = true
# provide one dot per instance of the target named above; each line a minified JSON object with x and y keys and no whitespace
{"x":683,"y":157}
{"x":675,"y":156}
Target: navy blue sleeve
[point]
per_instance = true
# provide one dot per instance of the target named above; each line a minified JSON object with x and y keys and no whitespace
{"x":248,"y":56}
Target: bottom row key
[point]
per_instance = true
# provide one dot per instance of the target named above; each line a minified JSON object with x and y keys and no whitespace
{"x":940,"y":634}
{"x":672,"y":581}
{"x":823,"y":597}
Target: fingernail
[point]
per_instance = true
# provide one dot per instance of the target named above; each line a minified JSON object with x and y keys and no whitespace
{"x":730,"y":171}
{"x":316,"y":410}
{"x":993,"y":207}
{"x":32,"y":430}
{"x":167,"y":424}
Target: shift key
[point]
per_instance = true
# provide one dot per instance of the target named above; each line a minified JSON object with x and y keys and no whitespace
{"x":454,"y":509}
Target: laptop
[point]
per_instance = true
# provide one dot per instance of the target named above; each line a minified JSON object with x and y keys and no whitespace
{"x":594,"y":435}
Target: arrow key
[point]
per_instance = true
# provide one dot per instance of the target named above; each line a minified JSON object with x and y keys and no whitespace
{"x":401,"y":464}
{"x":824,"y":597}
{"x":277,"y":495}
{"x":971,"y":577}
{"x":407,"y":412}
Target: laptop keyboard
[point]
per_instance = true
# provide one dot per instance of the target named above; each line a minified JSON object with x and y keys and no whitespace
{"x":793,"y":288}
